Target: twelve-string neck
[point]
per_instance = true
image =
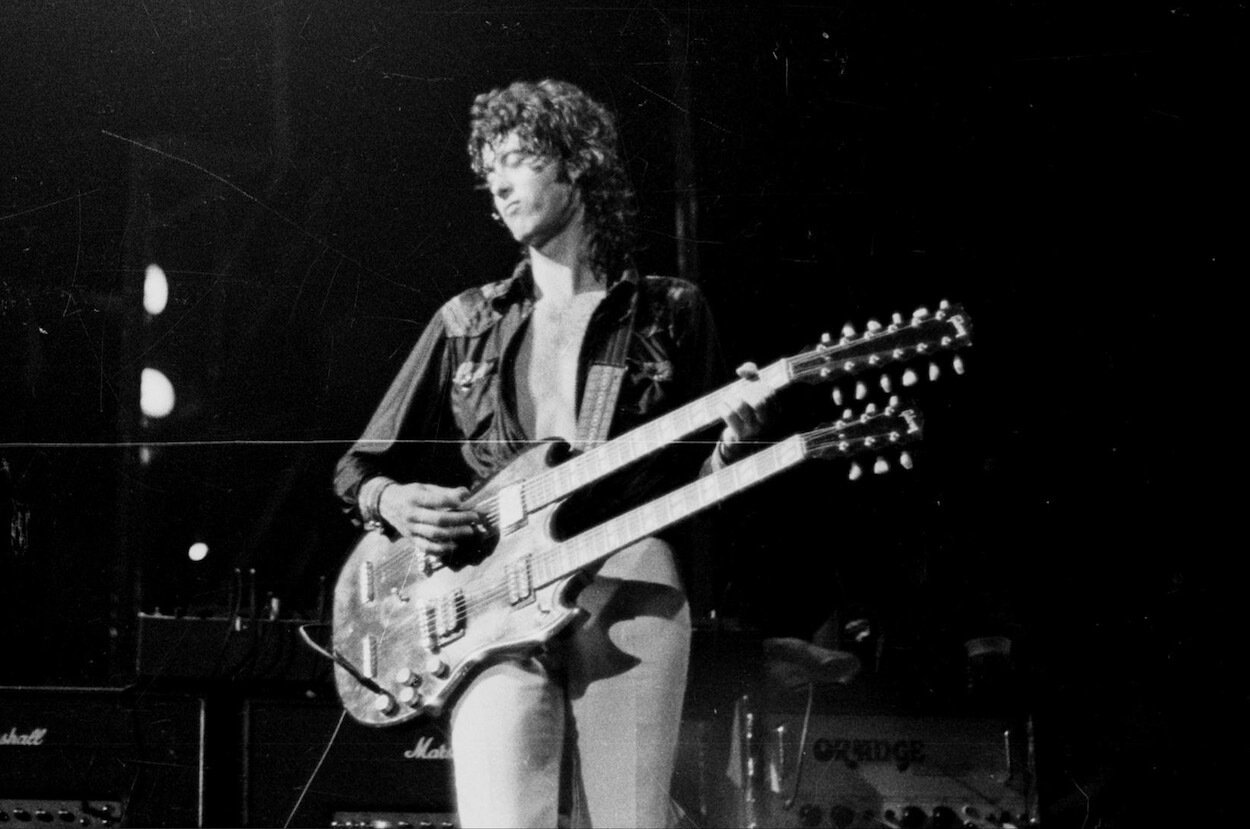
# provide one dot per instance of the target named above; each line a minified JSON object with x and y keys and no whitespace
{"x":611,"y":456}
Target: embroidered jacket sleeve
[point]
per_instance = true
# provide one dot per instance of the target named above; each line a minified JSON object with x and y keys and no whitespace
{"x":404,"y":431}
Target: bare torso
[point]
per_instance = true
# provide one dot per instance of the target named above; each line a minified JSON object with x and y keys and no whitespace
{"x":547,"y":364}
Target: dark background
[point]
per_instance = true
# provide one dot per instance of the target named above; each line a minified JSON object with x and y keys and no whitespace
{"x":1072,"y":173}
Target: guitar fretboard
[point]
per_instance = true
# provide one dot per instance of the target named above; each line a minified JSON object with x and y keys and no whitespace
{"x":613,"y":455}
{"x":588,"y":547}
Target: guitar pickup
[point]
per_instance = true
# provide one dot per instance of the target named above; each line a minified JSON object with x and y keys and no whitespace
{"x":511,"y":501}
{"x":520,"y":580}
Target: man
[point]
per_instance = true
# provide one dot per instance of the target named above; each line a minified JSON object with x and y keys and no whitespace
{"x":587,"y":728}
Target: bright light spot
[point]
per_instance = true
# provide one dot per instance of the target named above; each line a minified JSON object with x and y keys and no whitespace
{"x":145,"y":455}
{"x":156,"y":393}
{"x":155,"y":290}
{"x":197,"y":551}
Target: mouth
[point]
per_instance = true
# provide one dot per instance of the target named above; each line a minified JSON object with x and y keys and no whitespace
{"x":510,"y":208}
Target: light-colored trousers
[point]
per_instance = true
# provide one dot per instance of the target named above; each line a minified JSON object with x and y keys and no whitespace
{"x":599,"y":716}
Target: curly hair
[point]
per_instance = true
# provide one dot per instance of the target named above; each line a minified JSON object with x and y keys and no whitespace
{"x":556,"y":120}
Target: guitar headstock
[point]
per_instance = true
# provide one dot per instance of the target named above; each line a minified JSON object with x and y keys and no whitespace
{"x":925,"y":335}
{"x":882,"y":432}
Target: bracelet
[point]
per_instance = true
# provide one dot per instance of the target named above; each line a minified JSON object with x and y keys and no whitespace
{"x":370,"y":505}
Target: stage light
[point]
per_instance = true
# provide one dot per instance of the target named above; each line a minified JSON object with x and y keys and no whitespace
{"x":197,"y":551}
{"x":156,"y":393}
{"x":155,"y":290}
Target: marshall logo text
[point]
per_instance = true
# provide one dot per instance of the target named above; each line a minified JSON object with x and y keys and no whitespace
{"x":34,"y":737}
{"x":426,"y":750}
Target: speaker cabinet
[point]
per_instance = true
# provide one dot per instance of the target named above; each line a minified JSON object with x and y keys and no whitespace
{"x":101,"y":757}
{"x":306,"y":763}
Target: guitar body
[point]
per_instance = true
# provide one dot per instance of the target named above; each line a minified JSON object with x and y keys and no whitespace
{"x":416,"y":629}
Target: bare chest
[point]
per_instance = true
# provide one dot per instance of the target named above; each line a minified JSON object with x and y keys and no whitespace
{"x":548,"y":373}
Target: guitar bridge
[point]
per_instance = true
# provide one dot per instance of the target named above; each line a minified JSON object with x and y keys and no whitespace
{"x":364,"y":582}
{"x":369,"y":657}
{"x":442,"y":620}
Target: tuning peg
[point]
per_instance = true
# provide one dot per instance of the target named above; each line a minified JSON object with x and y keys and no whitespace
{"x":856,"y":472}
{"x":837,"y":396}
{"x":944,"y":305}
{"x":920,"y":314}
{"x":904,"y":460}
{"x":909,"y":378}
{"x":934,"y":371}
{"x":873,"y":327}
{"x":892,"y":403}
{"x":896,"y":319}
{"x":958,"y":364}
{"x":825,"y":340}
{"x":887,"y":385}
{"x":881,"y":467}
{"x":870,"y":409}
{"x":847,"y":414}
{"x":861,"y":391}
{"x":848,"y":332}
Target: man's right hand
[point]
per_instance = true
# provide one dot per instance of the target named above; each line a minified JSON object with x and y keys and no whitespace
{"x":430,"y":515}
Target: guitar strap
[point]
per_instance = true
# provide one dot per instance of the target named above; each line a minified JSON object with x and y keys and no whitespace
{"x":603,"y":383}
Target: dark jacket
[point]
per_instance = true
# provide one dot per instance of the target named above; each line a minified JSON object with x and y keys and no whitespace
{"x":455,"y":388}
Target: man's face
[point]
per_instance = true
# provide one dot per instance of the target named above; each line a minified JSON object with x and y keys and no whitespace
{"x":533,"y":199}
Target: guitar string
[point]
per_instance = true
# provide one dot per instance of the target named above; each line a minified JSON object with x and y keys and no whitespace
{"x":537,"y":486}
{"x":544,"y":488}
{"x":592,"y":542}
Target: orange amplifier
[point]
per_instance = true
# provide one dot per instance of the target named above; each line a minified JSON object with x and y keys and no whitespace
{"x":898,"y":771}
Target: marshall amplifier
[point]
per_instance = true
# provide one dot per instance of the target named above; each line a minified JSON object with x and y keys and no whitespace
{"x":100,"y":757}
{"x":899,"y":771}
{"x":306,"y":763}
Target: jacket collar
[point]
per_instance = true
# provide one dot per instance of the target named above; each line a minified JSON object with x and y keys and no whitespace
{"x":519,"y":288}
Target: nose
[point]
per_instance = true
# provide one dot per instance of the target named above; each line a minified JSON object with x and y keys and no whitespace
{"x":500,"y":187}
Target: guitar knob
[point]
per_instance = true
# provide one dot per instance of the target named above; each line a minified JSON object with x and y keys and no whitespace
{"x":861,"y":391}
{"x":385,"y":704}
{"x":904,"y":460}
{"x":934,"y":371}
{"x":837,"y":396}
{"x":436,"y":667}
{"x":958,"y":364}
{"x":881,"y":467}
{"x":856,"y":472}
{"x":407,"y":676}
{"x":909,"y":378}
{"x":887,"y":385}
{"x":409,"y":696}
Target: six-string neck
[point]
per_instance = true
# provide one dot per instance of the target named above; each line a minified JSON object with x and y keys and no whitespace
{"x":592,"y":545}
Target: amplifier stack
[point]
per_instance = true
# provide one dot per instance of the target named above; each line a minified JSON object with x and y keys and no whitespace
{"x":100,"y":757}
